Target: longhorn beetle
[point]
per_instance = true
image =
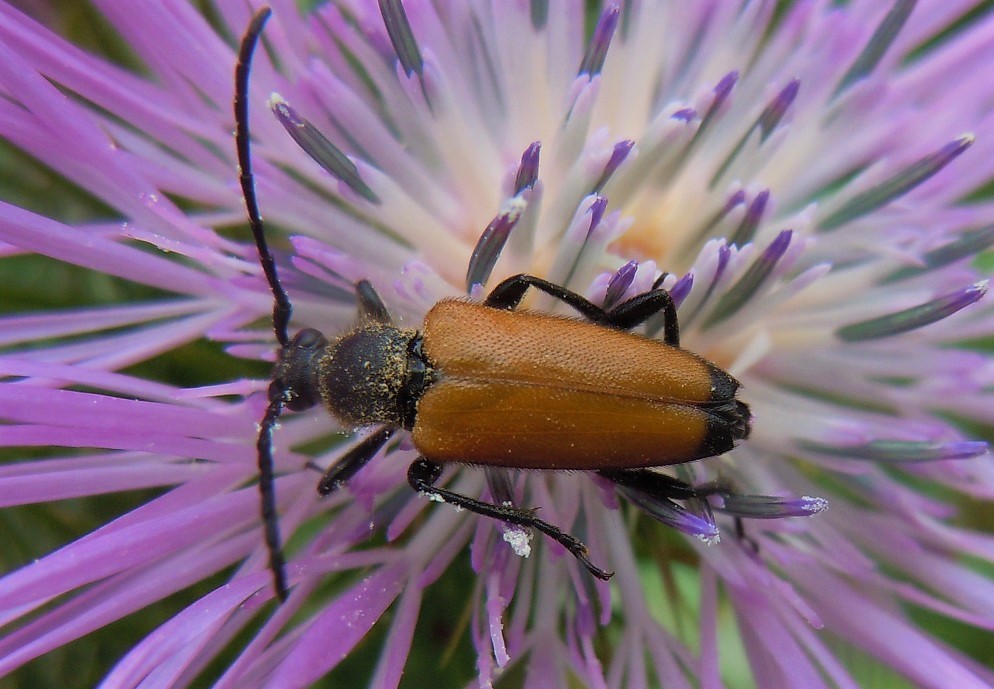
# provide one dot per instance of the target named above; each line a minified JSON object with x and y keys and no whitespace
{"x":490,"y":385}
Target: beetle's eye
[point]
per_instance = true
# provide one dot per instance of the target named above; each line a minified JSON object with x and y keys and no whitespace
{"x":277,"y":390}
{"x":308,"y":337}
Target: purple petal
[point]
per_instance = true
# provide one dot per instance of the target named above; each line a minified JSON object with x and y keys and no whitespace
{"x":770,"y":507}
{"x":903,"y":450}
{"x":593,"y":60}
{"x":744,"y":233}
{"x":751,"y":281}
{"x":671,"y":514}
{"x":878,"y":44}
{"x":913,"y":318}
{"x":488,"y":249}
{"x":619,"y":283}
{"x":401,"y":36}
{"x":618,"y":155}
{"x":681,"y":288}
{"x":398,"y":643}
{"x":528,"y":169}
{"x":897,"y":185}
{"x":777,"y":108}
{"x":320,"y":149}
{"x":337,"y":629}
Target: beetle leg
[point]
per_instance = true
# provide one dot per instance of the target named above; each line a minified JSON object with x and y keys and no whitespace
{"x":651,"y":483}
{"x":625,"y":316}
{"x":423,"y":474}
{"x":371,"y":307}
{"x":509,"y":293}
{"x":660,"y":486}
{"x":499,"y":483}
{"x":351,"y":462}
{"x":641,"y":308}
{"x":743,"y":537}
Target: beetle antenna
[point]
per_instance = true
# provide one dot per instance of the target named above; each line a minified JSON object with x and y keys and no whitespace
{"x":281,"y":307}
{"x":267,"y":497}
{"x":281,"y":302}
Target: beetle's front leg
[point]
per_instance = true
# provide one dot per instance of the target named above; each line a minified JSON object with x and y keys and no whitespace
{"x":349,"y":464}
{"x":371,"y":307}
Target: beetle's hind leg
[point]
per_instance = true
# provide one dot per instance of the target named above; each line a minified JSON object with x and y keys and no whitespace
{"x":652,"y":483}
{"x":656,"y":486}
{"x":423,"y":474}
{"x":640,"y":308}
{"x":509,"y":293}
{"x":744,"y":538}
{"x":625,"y":316}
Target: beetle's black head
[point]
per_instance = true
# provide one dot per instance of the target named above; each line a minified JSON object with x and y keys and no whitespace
{"x":364,"y":376}
{"x":295,"y":376}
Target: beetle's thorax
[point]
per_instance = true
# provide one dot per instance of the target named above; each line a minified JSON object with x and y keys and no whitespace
{"x":373,"y":374}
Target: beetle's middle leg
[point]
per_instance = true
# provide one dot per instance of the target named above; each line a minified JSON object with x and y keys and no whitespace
{"x":423,"y":474}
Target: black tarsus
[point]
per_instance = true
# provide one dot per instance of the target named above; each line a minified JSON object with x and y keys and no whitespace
{"x":423,"y":474}
{"x":625,"y":316}
{"x":281,"y":306}
{"x":281,"y":301}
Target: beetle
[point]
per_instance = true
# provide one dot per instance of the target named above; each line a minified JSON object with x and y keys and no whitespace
{"x":489,"y":384}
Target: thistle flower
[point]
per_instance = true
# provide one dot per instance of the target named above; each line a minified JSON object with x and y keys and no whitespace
{"x":805,"y":176}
